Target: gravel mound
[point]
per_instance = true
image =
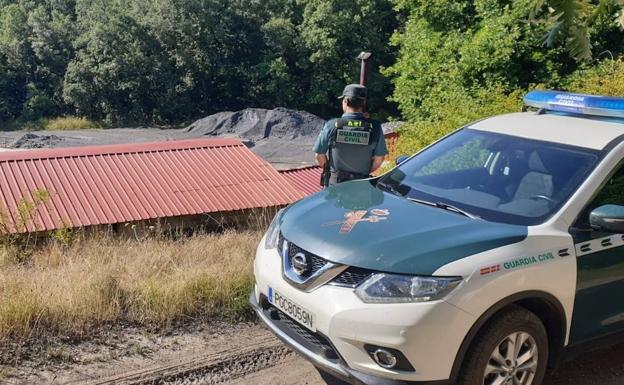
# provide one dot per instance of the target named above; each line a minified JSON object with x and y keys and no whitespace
{"x":36,"y":141}
{"x":281,"y":136}
{"x":257,"y":124}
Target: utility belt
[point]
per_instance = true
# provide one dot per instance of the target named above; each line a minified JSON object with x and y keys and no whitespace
{"x":345,"y":176}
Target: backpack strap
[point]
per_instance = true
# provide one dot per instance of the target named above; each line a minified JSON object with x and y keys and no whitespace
{"x":338,"y":124}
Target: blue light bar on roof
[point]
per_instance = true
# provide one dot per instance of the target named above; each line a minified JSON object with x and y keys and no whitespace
{"x":576,"y":103}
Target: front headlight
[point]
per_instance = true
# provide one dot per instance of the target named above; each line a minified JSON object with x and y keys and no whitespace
{"x":272,"y":234}
{"x":393,"y":288}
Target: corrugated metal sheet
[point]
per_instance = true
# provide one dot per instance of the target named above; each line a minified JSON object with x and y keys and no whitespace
{"x":306,"y":179}
{"x":123,"y":183}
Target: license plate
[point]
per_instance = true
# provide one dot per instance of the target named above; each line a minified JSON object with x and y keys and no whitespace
{"x":294,"y":311}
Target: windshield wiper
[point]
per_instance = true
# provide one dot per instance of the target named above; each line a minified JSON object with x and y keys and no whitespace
{"x":444,"y":206}
{"x":457,"y":210}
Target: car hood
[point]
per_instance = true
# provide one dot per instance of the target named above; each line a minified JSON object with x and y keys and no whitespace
{"x":356,"y":224}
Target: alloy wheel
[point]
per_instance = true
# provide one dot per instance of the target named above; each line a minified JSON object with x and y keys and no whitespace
{"x":513,"y":361}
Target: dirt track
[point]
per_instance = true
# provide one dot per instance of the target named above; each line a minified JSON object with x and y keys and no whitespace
{"x":600,"y":368}
{"x":233,"y":355}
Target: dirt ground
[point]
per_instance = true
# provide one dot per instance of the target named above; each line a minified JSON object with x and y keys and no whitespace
{"x":221,"y":353}
{"x":600,"y":368}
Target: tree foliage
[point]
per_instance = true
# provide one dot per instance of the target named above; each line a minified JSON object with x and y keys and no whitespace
{"x":573,"y":22}
{"x":169,"y":61}
{"x":464,"y":60}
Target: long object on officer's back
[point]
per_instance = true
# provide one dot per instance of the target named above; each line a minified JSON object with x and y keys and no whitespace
{"x":364,"y":58}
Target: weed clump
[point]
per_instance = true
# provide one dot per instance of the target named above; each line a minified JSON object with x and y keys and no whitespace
{"x":68,"y":123}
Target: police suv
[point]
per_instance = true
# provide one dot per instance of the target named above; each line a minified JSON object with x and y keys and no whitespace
{"x":484,"y":259}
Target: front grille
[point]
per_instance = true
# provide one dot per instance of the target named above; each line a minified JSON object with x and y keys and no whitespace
{"x":316,"y":262}
{"x":352,"y":277}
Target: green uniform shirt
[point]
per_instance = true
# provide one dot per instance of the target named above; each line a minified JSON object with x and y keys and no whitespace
{"x":377,"y":148}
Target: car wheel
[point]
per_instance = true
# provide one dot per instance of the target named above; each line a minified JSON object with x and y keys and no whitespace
{"x":331,"y":380}
{"x":512,"y":349}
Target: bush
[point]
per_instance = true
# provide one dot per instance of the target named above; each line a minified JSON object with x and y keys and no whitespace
{"x":607,"y":78}
{"x":68,"y":123}
{"x":456,"y":110}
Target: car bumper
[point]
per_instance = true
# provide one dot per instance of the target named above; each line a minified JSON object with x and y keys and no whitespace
{"x":427,"y":334}
{"x":334,"y":367}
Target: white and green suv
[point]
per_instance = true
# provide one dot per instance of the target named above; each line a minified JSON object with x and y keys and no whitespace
{"x":484,"y":259}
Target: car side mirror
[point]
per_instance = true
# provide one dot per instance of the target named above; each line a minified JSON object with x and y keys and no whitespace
{"x":608,"y":218}
{"x":401,"y":158}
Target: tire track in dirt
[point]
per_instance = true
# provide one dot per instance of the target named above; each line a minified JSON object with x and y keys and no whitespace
{"x":270,"y":363}
{"x":213,"y":368}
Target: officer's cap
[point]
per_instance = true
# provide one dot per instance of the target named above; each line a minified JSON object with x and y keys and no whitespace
{"x":355,"y":91}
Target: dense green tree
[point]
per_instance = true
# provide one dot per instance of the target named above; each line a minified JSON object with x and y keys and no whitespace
{"x":171,"y":61}
{"x":36,"y":41}
{"x":334,"y":32}
{"x":463,"y":60}
{"x":12,"y":91}
{"x":121,"y":73}
{"x":582,"y":25}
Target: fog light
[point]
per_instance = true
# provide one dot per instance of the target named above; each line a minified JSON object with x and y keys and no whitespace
{"x":384,"y":358}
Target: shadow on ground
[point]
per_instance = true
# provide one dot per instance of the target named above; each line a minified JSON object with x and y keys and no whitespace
{"x":602,"y":367}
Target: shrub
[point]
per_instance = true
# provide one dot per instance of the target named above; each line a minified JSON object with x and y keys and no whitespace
{"x":607,"y":78}
{"x":456,"y":110}
{"x":68,"y":123}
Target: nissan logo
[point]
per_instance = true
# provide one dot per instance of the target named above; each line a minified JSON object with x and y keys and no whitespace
{"x":300,"y":264}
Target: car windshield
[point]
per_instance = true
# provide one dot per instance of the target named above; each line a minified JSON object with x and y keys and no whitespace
{"x":496,"y":177}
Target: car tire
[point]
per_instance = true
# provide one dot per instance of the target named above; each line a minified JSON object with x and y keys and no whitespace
{"x":490,"y":358}
{"x":331,"y":380}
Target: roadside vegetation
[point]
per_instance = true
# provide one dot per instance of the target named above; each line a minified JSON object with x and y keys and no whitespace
{"x":69,"y":283}
{"x":53,"y":124}
{"x":69,"y":289}
{"x":68,"y":123}
{"x":607,"y":78}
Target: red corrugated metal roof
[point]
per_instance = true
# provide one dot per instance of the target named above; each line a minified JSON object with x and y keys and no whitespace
{"x":306,"y":179}
{"x":123,"y":183}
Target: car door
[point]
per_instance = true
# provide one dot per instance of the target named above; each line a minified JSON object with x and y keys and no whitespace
{"x":599,"y":304}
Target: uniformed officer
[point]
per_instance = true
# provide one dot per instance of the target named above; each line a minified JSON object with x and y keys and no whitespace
{"x":353,"y":146}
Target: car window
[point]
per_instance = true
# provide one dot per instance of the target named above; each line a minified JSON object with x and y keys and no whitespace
{"x":497,"y":177}
{"x":472,"y":154}
{"x":612,"y":193}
